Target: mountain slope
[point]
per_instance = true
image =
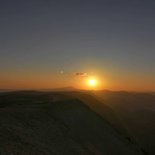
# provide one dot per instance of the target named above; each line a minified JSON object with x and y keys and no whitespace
{"x":59,"y":127}
{"x":137,"y":114}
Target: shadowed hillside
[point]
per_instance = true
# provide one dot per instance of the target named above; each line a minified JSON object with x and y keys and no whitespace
{"x":54,"y":123}
{"x":137,"y":114}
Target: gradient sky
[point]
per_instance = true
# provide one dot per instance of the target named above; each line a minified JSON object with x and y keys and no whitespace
{"x":114,"y":39}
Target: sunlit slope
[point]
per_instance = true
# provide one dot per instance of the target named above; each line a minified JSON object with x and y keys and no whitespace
{"x":137,"y":113}
{"x":56,"y":124}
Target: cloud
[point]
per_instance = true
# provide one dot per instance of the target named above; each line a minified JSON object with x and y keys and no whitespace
{"x":82,"y":74}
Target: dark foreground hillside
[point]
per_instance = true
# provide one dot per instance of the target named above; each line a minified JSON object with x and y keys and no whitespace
{"x":34,"y":123}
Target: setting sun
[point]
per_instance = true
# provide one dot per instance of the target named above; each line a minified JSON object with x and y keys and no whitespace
{"x":92,"y":82}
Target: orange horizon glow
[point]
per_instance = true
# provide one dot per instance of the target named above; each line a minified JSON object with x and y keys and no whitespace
{"x":47,"y":80}
{"x":52,"y":81}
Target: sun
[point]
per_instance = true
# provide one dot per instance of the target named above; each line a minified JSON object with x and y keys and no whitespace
{"x":92,"y":82}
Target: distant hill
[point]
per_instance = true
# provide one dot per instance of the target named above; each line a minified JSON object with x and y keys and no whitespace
{"x":65,"y":89}
{"x":6,"y":90}
{"x":57,"y":123}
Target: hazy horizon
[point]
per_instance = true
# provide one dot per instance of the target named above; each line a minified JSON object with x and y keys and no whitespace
{"x":67,"y":89}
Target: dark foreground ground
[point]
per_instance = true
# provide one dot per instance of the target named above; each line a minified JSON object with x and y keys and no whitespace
{"x":77,"y":123}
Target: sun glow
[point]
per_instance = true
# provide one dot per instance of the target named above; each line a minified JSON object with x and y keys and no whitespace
{"x":92,"y":82}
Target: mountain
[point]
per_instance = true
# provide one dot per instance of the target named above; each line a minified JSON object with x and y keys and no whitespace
{"x":58,"y":123}
{"x":6,"y":90}
{"x":64,"y":89}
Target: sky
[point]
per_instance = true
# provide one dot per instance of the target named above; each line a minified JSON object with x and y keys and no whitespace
{"x":44,"y":43}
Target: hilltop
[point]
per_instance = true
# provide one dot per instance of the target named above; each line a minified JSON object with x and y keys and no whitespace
{"x":58,"y":123}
